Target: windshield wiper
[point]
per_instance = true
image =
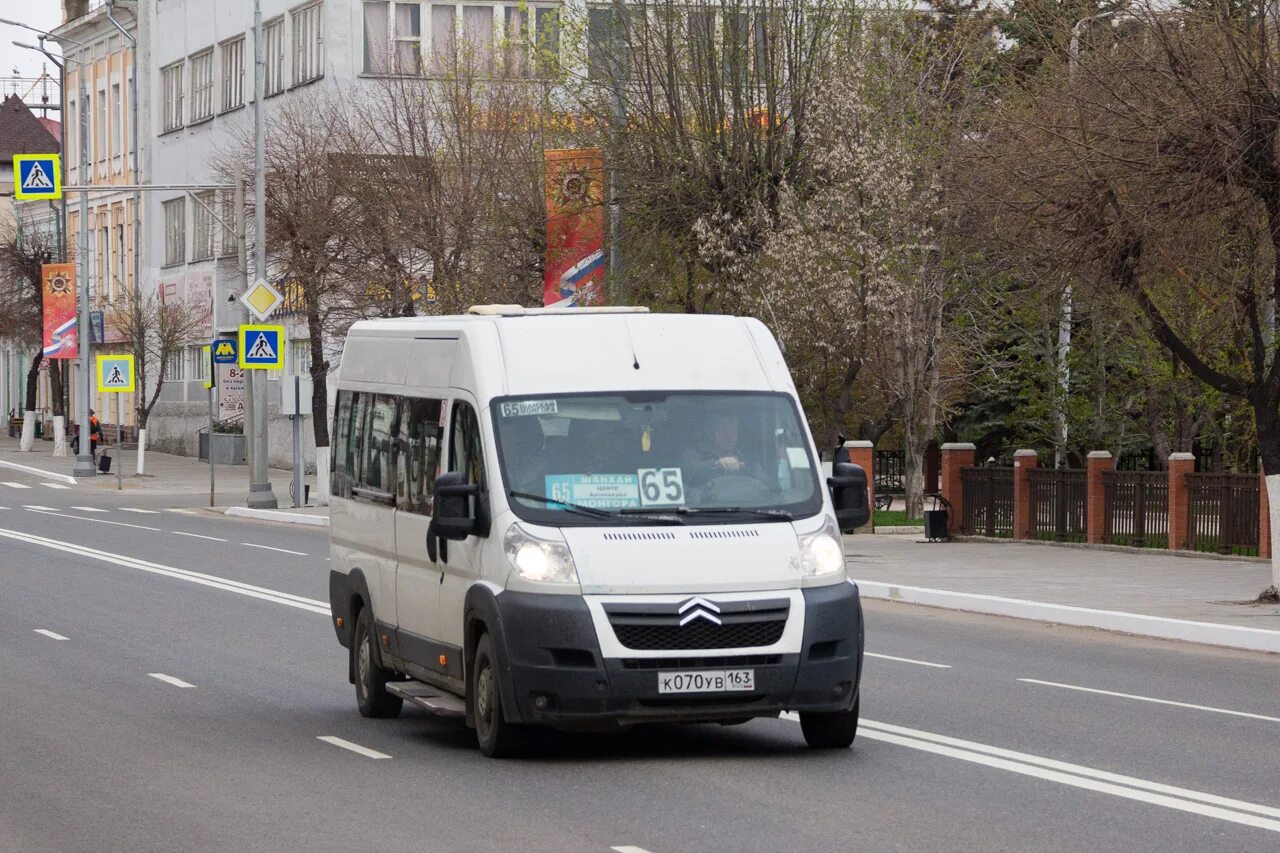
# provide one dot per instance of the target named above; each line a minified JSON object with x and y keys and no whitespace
{"x":780,"y":514}
{"x":589,"y":511}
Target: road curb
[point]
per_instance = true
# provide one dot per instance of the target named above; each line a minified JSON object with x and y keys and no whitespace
{"x":277,"y":515}
{"x":1160,"y":627}
{"x":39,"y":472}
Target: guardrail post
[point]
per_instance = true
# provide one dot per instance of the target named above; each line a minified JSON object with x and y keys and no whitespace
{"x":863,"y":454}
{"x":1264,"y":516}
{"x":1095,"y":501}
{"x":1023,"y":461}
{"x":1180,"y":465}
{"x":955,"y":455}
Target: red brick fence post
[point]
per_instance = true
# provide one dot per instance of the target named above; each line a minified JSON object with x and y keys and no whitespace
{"x":1096,"y":514}
{"x":863,"y":454}
{"x":1023,"y":461}
{"x":955,"y":455}
{"x":1180,"y":465}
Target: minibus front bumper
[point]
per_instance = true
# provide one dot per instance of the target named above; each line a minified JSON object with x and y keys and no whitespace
{"x":557,"y":676}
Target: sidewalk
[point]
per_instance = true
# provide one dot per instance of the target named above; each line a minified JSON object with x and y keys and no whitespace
{"x":165,"y":474}
{"x":1075,"y":586}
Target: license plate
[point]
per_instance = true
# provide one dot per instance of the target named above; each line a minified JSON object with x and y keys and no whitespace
{"x":707,"y":681}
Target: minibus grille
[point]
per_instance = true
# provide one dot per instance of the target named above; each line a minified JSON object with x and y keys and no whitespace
{"x":723,"y":625}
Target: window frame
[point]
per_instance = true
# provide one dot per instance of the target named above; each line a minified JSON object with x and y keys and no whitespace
{"x":201,"y":73}
{"x":171,"y":96}
{"x":231,"y":55}
{"x":173,"y":235}
{"x":273,"y":33}
{"x":378,"y":493}
{"x":202,"y":226}
{"x":408,"y":499}
{"x":306,"y":25}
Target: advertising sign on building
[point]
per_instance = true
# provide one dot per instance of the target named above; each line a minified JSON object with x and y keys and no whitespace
{"x":231,"y":388}
{"x":575,"y":228}
{"x":58,"y":293}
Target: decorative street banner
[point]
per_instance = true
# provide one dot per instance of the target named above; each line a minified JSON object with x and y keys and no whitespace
{"x":59,"y":306}
{"x":575,"y":228}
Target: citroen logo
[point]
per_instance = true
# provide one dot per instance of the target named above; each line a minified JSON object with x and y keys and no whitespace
{"x":698,"y":608}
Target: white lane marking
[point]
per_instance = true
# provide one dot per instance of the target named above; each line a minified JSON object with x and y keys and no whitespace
{"x":183,"y":511}
{"x":51,"y":635}
{"x":627,"y":848}
{"x":55,"y":485}
{"x":13,"y":485}
{"x":1152,"y":699}
{"x":94,"y":520}
{"x":199,"y":536}
{"x":139,"y":511}
{"x":262,"y":593}
{"x":38,"y":508}
{"x":1075,"y":775}
{"x":169,"y":679}
{"x":908,"y":660}
{"x":88,"y":509}
{"x":269,"y":548}
{"x":354,"y":747}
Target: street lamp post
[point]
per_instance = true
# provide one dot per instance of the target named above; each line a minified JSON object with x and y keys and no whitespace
{"x":260,"y":494}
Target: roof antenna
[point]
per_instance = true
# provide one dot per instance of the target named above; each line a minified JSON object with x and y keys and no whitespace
{"x":635,"y":360}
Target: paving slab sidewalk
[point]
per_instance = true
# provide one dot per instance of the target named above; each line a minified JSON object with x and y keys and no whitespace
{"x":1156,"y":586}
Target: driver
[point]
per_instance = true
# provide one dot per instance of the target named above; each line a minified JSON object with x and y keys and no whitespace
{"x":720,"y":455}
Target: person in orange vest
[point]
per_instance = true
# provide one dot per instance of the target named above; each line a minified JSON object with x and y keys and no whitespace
{"x":95,"y":433}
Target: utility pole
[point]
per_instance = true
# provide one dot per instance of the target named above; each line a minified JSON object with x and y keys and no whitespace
{"x":260,"y":494}
{"x":84,"y":466}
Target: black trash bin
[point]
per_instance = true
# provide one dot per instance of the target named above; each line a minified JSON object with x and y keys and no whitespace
{"x":937,"y":521}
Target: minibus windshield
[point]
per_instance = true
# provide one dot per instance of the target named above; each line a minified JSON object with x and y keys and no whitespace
{"x":700,"y":456}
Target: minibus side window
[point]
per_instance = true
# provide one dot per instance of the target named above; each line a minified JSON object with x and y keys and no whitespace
{"x":466,"y":456}
{"x":340,"y":473}
{"x":377,"y":468}
{"x":418,"y":458}
{"x":350,"y":417}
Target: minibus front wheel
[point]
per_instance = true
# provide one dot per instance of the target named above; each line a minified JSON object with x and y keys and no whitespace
{"x":830,"y":730}
{"x":497,"y":737}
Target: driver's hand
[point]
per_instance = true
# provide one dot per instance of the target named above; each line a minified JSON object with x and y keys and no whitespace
{"x":730,"y":463}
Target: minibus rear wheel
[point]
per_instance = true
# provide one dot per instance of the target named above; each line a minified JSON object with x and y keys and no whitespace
{"x":830,"y":730}
{"x":497,"y":737}
{"x":372,"y":697}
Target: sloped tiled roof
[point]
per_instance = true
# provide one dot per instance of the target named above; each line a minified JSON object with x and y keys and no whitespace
{"x":21,"y":132}
{"x":52,"y":125}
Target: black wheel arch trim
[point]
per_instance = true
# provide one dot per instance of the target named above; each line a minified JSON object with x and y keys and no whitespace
{"x":345,"y":589}
{"x":481,"y":608}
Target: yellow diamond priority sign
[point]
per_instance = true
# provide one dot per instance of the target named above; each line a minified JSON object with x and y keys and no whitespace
{"x":261,"y":299}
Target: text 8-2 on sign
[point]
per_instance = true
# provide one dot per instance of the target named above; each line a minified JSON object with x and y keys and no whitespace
{"x":37,"y":176}
{"x":261,"y":347}
{"x":115,"y":373}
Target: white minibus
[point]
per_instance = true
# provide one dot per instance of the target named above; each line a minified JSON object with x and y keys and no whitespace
{"x":586,"y":518}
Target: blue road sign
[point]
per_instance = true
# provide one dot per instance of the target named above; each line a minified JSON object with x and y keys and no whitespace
{"x":224,"y":351}
{"x":262,"y":347}
{"x":37,"y":176}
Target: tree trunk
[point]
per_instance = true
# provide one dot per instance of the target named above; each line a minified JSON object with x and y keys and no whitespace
{"x":1268,"y":421}
{"x":319,"y":374}
{"x":33,"y":380}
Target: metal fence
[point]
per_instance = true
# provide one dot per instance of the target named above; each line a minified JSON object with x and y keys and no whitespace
{"x":1059,"y":504}
{"x":890,"y":473}
{"x":1222,"y":513}
{"x":1135,"y":508}
{"x":988,"y":501}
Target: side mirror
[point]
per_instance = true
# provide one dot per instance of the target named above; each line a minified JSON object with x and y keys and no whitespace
{"x":848,"y":483}
{"x":453,"y":517}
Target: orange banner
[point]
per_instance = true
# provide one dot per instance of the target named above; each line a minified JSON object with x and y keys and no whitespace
{"x":59,"y":307}
{"x":574,"y":274}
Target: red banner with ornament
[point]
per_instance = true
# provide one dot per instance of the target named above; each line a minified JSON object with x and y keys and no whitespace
{"x":58,"y":297}
{"x":574,"y":273}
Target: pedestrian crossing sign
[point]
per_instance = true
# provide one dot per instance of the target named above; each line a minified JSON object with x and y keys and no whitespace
{"x":262,"y":347}
{"x":115,"y":373}
{"x":37,"y":176}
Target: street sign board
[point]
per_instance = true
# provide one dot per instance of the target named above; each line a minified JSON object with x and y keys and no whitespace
{"x":37,"y":176}
{"x":224,"y":351}
{"x":230,"y":391}
{"x":261,"y":299}
{"x":115,"y":373}
{"x":262,"y":347}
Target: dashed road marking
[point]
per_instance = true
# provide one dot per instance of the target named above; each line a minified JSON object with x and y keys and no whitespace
{"x":909,"y":660}
{"x":39,"y":508}
{"x":139,"y":511}
{"x":1152,"y":700}
{"x":88,"y":509}
{"x":13,"y":485}
{"x":627,"y":848}
{"x":169,"y":679}
{"x":198,"y":536}
{"x":269,"y":548}
{"x":55,"y":485}
{"x":50,"y":634}
{"x":95,"y":520}
{"x":353,"y":747}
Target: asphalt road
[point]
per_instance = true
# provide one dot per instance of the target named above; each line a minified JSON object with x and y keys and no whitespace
{"x":979,"y":733}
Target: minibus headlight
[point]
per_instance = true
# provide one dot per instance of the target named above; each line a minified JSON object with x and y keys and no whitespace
{"x":822,"y":552}
{"x":538,"y":559}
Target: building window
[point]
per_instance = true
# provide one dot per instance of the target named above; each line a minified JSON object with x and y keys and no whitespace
{"x":173,"y":368}
{"x":175,"y":231}
{"x":444,"y":37}
{"x":233,"y":74}
{"x":226,"y":228}
{"x":546,"y":44}
{"x":408,"y":37}
{"x":376,"y":37}
{"x":106,"y":291}
{"x":122,"y":263}
{"x":202,"y":226}
{"x":117,"y":119}
{"x":308,"y":43}
{"x":72,"y":157}
{"x":171,"y":90}
{"x":100,"y":135}
{"x":273,"y":39}
{"x":202,"y":85}
{"x":300,"y":357}
{"x":477,"y":30}
{"x":197,"y":366}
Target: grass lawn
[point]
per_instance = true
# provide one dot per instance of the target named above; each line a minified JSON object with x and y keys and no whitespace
{"x":896,"y":518}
